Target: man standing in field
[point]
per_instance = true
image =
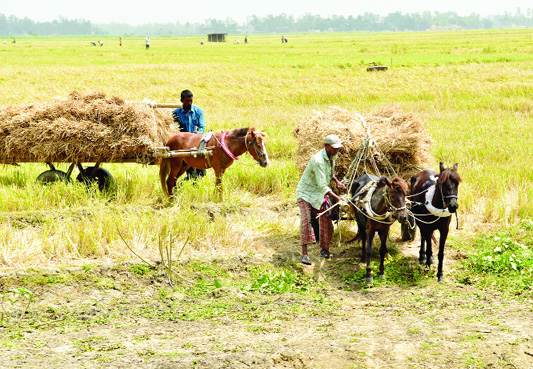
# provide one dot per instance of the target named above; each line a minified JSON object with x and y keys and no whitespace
{"x":314,"y":194}
{"x":147,"y":42}
{"x":190,"y":119}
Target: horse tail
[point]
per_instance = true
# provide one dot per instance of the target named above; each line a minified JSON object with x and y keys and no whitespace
{"x":164,"y":170}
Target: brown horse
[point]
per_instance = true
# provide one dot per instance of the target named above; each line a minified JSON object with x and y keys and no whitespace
{"x":376,"y":203}
{"x":433,"y":201}
{"x":236,"y":142}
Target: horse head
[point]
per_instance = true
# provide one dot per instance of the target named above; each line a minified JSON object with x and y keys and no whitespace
{"x":255,"y":144}
{"x":397,"y":192}
{"x":448,"y":185}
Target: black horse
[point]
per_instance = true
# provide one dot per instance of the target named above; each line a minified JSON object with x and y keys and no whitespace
{"x":433,"y":201}
{"x":375,"y":203}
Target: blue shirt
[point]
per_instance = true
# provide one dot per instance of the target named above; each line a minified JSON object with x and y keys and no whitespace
{"x":193,"y":121}
{"x":314,"y":184}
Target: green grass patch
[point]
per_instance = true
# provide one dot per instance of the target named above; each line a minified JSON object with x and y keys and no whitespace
{"x":503,"y":260}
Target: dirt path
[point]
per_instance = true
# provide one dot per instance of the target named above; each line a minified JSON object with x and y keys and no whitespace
{"x":112,"y":317}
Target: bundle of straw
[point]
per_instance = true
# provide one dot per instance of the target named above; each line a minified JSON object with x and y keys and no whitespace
{"x":82,"y":128}
{"x":401,"y":137}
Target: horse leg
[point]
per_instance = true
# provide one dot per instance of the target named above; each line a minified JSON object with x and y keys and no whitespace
{"x":429,"y":250}
{"x":175,"y":172}
{"x":363,"y":244}
{"x":219,"y":172}
{"x":422,"y":252}
{"x":164,"y":168}
{"x":370,"y":237}
{"x":361,"y":235}
{"x":442,"y":241}
{"x":382,"y":252}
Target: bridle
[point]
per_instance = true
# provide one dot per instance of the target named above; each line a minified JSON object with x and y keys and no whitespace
{"x":380,"y":218}
{"x":438,"y":185}
{"x":444,"y":198}
{"x":258,"y":150}
{"x":394,"y":209}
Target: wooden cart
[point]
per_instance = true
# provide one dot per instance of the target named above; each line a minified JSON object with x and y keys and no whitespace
{"x":99,"y":175}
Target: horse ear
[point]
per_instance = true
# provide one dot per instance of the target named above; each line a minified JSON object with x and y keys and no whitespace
{"x":455,"y":167}
{"x":384,"y":181}
{"x":441,"y":167}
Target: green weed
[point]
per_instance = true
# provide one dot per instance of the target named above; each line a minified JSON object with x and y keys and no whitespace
{"x":503,"y":260}
{"x":14,"y":303}
{"x":279,"y":282}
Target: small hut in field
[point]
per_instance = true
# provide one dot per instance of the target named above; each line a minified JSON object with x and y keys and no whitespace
{"x":216,"y":37}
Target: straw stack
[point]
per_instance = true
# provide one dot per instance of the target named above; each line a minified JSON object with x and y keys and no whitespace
{"x":82,"y":128}
{"x":401,"y":137}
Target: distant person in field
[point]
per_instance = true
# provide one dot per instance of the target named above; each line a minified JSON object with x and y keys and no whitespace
{"x":314,"y":195}
{"x":101,"y":43}
{"x":93,"y":43}
{"x":202,"y":41}
{"x":147,"y":42}
{"x":190,"y":119}
{"x":120,"y":41}
{"x":14,"y":41}
{"x":246,"y":40}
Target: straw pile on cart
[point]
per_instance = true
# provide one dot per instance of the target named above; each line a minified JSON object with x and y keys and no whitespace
{"x":82,"y":128}
{"x":401,"y":141}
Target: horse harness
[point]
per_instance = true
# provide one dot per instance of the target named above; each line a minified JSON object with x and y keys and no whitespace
{"x":364,"y":205}
{"x":430,"y":194}
{"x":222,"y":142}
{"x":203,"y":143}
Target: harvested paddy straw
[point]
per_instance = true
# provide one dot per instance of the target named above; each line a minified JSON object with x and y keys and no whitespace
{"x":401,"y":137}
{"x":82,"y":128}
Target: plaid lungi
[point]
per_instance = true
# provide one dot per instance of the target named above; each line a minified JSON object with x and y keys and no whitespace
{"x":325,"y":224}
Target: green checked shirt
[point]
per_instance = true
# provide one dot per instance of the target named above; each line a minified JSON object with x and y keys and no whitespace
{"x":314,"y":184}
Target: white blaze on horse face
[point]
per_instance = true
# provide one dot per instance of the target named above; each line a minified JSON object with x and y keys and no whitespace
{"x":265,"y":151}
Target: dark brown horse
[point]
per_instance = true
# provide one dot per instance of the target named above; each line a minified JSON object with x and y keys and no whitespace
{"x":376,"y":202}
{"x":236,"y":142}
{"x":433,"y":201}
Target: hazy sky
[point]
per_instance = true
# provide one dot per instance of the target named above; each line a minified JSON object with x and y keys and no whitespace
{"x":159,"y":11}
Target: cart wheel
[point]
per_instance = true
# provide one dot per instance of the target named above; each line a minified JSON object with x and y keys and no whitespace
{"x":409,"y":230}
{"x":52,"y":175}
{"x":100,"y":175}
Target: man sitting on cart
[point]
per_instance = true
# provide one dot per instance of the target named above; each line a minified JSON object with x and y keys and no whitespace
{"x":314,"y":194}
{"x":190,"y":119}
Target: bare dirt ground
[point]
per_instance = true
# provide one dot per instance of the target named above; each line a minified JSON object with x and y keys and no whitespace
{"x":111,"y":317}
{"x":123,"y":316}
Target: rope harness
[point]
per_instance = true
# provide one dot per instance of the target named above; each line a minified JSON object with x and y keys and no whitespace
{"x":364,"y":203}
{"x":428,"y":204}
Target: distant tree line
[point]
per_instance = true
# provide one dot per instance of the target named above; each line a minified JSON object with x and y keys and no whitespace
{"x":282,"y":23}
{"x":15,"y":26}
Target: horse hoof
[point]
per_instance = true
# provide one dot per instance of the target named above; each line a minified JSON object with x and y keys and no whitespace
{"x":422,"y":261}
{"x":382,"y":276}
{"x":440,"y":279}
{"x":433,"y":260}
{"x":369,"y":280}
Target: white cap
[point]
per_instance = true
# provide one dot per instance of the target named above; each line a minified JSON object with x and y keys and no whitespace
{"x":334,"y":141}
